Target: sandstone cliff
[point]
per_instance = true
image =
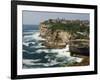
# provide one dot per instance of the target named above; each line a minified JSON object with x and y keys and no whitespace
{"x":54,"y":39}
{"x":58,"y":32}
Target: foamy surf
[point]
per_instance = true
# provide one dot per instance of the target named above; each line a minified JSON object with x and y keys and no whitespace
{"x":37,"y":55}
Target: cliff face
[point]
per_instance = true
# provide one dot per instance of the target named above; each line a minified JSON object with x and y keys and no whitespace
{"x":54,"y":38}
{"x":43,"y":30}
{"x":58,"y":32}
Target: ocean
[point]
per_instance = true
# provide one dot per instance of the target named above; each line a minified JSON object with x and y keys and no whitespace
{"x":36,"y":55}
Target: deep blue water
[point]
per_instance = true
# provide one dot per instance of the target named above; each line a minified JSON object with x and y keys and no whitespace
{"x":30,"y":27}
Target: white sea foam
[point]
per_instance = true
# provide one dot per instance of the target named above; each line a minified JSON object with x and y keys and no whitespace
{"x":47,"y":56}
{"x":26,"y":51}
{"x":75,"y":59}
{"x":63,"y":52}
{"x":26,"y":44}
{"x":30,"y":61}
{"x":42,"y":50}
{"x":39,"y":45}
{"x":51,"y":63}
{"x":79,"y":60}
{"x":37,"y":37}
{"x":27,"y":38}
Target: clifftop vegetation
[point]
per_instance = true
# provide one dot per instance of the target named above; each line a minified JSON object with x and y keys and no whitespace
{"x":77,"y":28}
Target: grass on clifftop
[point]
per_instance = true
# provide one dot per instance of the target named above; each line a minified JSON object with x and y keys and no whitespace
{"x":72,"y":28}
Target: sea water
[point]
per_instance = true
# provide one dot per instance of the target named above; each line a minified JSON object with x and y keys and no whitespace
{"x":36,"y":55}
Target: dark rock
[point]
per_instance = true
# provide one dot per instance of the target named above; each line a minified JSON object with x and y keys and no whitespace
{"x":79,"y":50}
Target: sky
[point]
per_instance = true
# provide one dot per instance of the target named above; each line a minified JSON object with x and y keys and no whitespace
{"x":35,"y":17}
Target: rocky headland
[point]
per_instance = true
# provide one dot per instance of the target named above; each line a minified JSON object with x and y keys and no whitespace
{"x":59,"y":32}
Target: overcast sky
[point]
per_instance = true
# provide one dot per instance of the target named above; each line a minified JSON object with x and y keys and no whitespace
{"x":34,"y":18}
